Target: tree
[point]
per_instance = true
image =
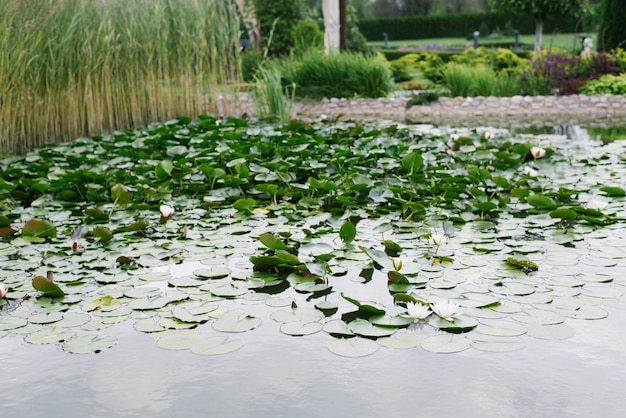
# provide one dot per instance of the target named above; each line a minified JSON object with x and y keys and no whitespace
{"x":612,"y":29}
{"x":278,"y":19}
{"x":540,"y":9}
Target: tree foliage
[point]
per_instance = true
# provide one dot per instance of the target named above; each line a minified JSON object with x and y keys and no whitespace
{"x":278,"y":18}
{"x":540,"y":9}
{"x":613,"y":30}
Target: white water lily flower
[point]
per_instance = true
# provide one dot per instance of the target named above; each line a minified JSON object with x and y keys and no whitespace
{"x":530,"y":172}
{"x":537,"y":152}
{"x":488,"y":135}
{"x":446,"y":309}
{"x":166,"y":211}
{"x":438,"y":238}
{"x":417,"y":311}
{"x":3,"y":291}
{"x":597,"y":204}
{"x":454,"y":137}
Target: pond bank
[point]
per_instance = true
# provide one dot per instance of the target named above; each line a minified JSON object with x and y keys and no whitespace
{"x":600,"y":110}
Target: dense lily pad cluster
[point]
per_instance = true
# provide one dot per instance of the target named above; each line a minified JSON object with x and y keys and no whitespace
{"x":376,"y":234}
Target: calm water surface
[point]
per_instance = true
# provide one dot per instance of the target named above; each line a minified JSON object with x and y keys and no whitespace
{"x":279,"y":376}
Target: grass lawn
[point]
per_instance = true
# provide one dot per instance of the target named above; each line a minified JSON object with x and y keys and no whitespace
{"x":567,"y":41}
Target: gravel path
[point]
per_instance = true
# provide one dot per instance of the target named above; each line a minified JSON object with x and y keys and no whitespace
{"x":524,"y":110}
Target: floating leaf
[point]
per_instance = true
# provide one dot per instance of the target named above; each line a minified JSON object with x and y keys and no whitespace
{"x":272,"y":242}
{"x":244,"y":205}
{"x":550,"y":332}
{"x":119,"y":193}
{"x":87,"y":344}
{"x":412,"y":162}
{"x":163,"y":169}
{"x":298,"y":328}
{"x":212,"y":346}
{"x":347,"y":233}
{"x":49,"y":336}
{"x":354,"y":347}
{"x":401,"y":340}
{"x":540,"y":202}
{"x":39,"y":228}
{"x":445,"y":344}
{"x":236,"y":321}
{"x":47,"y":287}
{"x":102,"y":233}
{"x":564,"y":213}
{"x":613,"y":191}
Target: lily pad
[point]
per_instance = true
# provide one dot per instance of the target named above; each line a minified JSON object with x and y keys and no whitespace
{"x":49,"y":336}
{"x":212,"y":346}
{"x":353,"y":347}
{"x":87,"y":344}
{"x":445,"y":344}
{"x":236,"y":321}
{"x":401,"y":340}
{"x":299,"y":328}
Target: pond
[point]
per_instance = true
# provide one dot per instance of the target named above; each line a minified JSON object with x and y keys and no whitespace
{"x":198,"y":312}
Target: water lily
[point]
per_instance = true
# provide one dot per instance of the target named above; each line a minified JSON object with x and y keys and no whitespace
{"x":454,"y":137}
{"x":166,"y":211}
{"x":446,"y":309}
{"x":597,"y":204}
{"x":530,"y":172}
{"x":438,"y":239}
{"x":417,"y":311}
{"x":537,"y":152}
{"x":488,"y":135}
{"x":3,"y":291}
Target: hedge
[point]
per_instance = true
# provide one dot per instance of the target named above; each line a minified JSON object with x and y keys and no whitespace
{"x":457,"y":25}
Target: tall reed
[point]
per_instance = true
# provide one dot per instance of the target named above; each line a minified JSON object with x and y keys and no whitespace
{"x":70,"y":68}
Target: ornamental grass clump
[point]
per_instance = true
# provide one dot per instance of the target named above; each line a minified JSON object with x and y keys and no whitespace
{"x":75,"y":67}
{"x":318,"y":75}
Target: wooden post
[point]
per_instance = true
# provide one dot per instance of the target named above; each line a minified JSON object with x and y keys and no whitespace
{"x":343,"y":26}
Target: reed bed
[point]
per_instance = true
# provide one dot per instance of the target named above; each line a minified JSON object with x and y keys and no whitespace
{"x":71,"y":68}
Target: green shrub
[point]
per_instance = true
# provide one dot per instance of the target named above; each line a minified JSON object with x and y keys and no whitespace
{"x":458,"y":79}
{"x":500,"y":59}
{"x":401,"y":70}
{"x":428,"y":63}
{"x":319,"y":75}
{"x":422,"y":98}
{"x":457,"y":25}
{"x":278,"y":19}
{"x":484,"y":81}
{"x":250,"y":61}
{"x":480,"y":80}
{"x":607,"y":84}
{"x":307,"y":35}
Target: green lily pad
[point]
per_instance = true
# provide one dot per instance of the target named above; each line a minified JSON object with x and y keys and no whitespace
{"x":299,"y":328}
{"x":364,"y":328}
{"x":236,"y":321}
{"x":338,"y":329}
{"x":47,"y":287}
{"x":8,"y":322}
{"x":39,"y":228}
{"x":49,"y":336}
{"x":212,"y":346}
{"x":401,"y":340}
{"x":177,"y":339}
{"x":87,"y":344}
{"x":550,"y":332}
{"x":445,"y":344}
{"x":353,"y":347}
{"x":459,"y":325}
{"x":396,"y":321}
